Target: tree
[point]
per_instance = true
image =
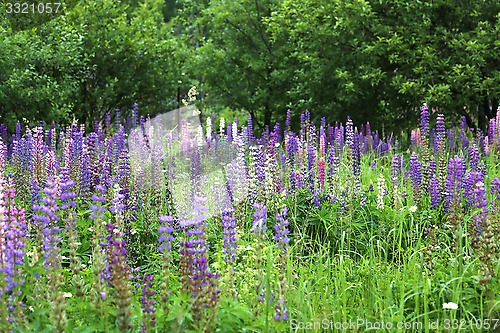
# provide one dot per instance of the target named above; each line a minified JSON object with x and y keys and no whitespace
{"x":237,"y":60}
{"x":88,"y":62}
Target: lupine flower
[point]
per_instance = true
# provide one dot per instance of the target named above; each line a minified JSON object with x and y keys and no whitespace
{"x":45,"y":219}
{"x":440,"y":133}
{"x":135,"y":114}
{"x":99,"y":269}
{"x":473,"y":157}
{"x":260,"y":220}
{"x":166,"y":238}
{"x":119,"y":272}
{"x":208,"y":129}
{"x":495,"y":187}
{"x":166,"y":230}
{"x":481,"y":203}
{"x":434,"y":191}
{"x":395,"y":169}
{"x":281,"y":229}
{"x":281,"y":238}
{"x":229,"y":232}
{"x":424,"y":120}
{"x":382,"y":191}
{"x":195,"y":276}
{"x":415,"y":174}
{"x":12,"y":243}
{"x":148,"y":304}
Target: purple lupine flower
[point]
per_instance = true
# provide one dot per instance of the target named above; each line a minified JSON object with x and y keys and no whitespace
{"x":288,"y":121}
{"x":45,"y":219}
{"x":311,"y":156}
{"x":356,"y":156}
{"x":229,"y":232}
{"x":229,"y":132}
{"x":316,"y":199}
{"x":148,"y":304}
{"x":3,"y":157}
{"x":424,"y":120}
{"x":118,"y":205}
{"x":166,"y":238}
{"x":282,"y":240}
{"x":333,"y":162}
{"x":302,"y":119}
{"x":473,"y":157}
{"x":135,"y":114}
{"x":330,"y":134}
{"x":97,"y":206}
{"x":440,"y":133}
{"x":468,"y":184}
{"x":434,"y":192}
{"x":119,"y":275}
{"x":259,"y":226}
{"x":277,"y":132}
{"x":118,"y":143}
{"x":479,"y":193}
{"x":281,"y":229}
{"x":250,"y":129}
{"x":13,"y":236}
{"x":292,"y":149}
{"x":195,"y":277}
{"x":495,"y":187}
{"x":395,"y":169}
{"x":415,"y":172}
{"x":67,"y":195}
{"x":166,"y":233}
{"x":450,"y":184}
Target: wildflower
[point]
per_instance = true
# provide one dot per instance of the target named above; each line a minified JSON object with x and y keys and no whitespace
{"x":281,"y":238}
{"x":229,"y":231}
{"x":133,"y":231}
{"x":382,"y":191}
{"x":450,"y":306}
{"x":413,"y":209}
{"x":67,"y":295}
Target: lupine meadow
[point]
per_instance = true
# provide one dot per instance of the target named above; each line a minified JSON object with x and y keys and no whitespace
{"x":156,"y":225}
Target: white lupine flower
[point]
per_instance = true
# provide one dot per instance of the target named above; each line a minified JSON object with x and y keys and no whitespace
{"x":222,"y":127}
{"x":209,"y":128}
{"x":199,"y":136}
{"x":235,"y":130}
{"x":382,"y":191}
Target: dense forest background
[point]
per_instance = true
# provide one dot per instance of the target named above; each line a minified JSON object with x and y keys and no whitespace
{"x":376,"y":60}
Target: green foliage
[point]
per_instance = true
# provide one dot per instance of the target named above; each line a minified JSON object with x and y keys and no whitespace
{"x":373,"y":60}
{"x":379,"y":58}
{"x":87,"y":62}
